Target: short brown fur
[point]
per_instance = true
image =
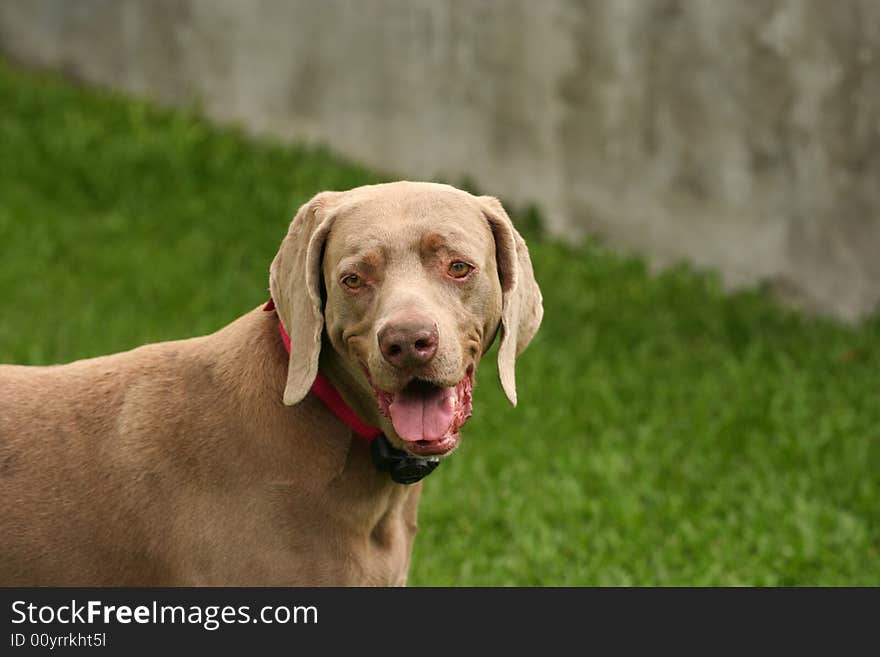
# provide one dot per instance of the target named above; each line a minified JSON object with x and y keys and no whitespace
{"x":208,"y":462}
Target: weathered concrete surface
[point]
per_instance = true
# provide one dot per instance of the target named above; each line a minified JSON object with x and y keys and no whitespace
{"x":738,"y":136}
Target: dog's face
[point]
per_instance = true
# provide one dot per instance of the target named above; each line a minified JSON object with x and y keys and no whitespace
{"x":413,"y":299}
{"x":412,"y":283}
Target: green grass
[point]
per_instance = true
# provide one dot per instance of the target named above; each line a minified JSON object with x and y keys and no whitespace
{"x":667,"y":433}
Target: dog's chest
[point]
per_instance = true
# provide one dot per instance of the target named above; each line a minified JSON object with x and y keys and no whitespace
{"x":374,"y":530}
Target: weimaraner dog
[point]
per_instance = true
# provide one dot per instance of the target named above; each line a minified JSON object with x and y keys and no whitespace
{"x":230,"y":459}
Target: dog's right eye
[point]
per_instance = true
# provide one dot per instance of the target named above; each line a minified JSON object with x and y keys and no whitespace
{"x":353,"y":281}
{"x":460,"y":269}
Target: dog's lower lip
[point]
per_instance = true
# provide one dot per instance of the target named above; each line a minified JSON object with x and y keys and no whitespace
{"x":440,"y":447}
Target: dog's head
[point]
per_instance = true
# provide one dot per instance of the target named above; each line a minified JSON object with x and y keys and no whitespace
{"x":410,"y":282}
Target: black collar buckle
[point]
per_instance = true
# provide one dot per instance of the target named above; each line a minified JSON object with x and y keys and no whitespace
{"x":403,"y":468}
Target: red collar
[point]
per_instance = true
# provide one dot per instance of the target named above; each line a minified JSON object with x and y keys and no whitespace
{"x":330,"y":395}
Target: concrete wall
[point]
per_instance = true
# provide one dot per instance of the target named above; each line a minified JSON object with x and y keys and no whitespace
{"x":741,"y":136}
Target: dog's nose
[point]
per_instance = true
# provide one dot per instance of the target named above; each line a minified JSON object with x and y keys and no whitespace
{"x":409,"y":344}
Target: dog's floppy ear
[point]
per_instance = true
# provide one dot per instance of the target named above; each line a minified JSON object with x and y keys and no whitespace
{"x":295,"y":285}
{"x":522,"y":308}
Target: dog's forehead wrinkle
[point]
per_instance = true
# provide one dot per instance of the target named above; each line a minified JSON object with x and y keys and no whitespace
{"x":408,"y":202}
{"x":438,"y":238}
{"x":362,"y":242}
{"x":380,"y":243}
{"x":459,"y":234}
{"x":370,"y":257}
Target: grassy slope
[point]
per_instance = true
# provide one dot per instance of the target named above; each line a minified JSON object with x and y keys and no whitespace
{"x":666,"y":434}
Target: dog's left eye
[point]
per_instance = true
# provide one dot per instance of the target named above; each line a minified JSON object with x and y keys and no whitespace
{"x":459,"y":269}
{"x":353,"y":281}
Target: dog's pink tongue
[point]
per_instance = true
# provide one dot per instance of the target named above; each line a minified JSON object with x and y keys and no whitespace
{"x":421,"y":414}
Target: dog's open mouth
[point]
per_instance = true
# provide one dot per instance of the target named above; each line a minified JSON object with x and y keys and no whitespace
{"x":426,"y":416}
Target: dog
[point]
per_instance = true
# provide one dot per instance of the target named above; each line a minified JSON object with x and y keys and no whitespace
{"x":219,"y":460}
